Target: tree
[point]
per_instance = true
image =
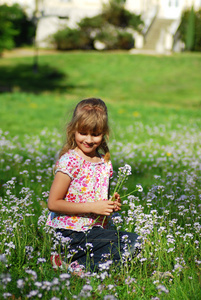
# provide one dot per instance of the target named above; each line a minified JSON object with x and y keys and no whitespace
{"x":190,"y":29}
{"x":15,"y":28}
{"x":7,"y":31}
{"x":198,"y":31}
{"x":190,"y":32}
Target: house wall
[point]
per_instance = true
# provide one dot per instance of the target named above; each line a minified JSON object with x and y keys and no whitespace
{"x":140,"y":6}
{"x":71,"y":11}
{"x":172,"y":9}
{"x":77,"y":9}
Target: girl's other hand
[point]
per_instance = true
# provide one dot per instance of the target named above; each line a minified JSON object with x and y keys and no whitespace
{"x":116,"y":197}
{"x":117,"y":202}
{"x":117,"y":205}
{"x":103,"y":207}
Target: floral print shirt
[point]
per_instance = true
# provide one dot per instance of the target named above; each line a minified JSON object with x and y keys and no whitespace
{"x":90,"y":182}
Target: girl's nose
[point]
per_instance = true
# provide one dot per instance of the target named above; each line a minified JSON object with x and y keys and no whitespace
{"x":89,"y":138}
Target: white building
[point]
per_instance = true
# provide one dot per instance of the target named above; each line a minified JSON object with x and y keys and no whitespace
{"x":53,"y":14}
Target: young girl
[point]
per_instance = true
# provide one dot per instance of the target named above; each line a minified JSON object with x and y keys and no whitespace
{"x":78,"y":198}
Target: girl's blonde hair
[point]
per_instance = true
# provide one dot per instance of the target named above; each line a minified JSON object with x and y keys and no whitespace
{"x":90,"y":115}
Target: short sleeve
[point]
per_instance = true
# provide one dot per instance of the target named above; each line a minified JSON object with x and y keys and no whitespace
{"x":68,"y":164}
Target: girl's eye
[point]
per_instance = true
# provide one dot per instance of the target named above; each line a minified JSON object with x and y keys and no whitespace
{"x":96,"y":134}
{"x":92,"y":134}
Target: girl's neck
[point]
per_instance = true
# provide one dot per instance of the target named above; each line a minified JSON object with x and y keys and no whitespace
{"x":94,"y":158}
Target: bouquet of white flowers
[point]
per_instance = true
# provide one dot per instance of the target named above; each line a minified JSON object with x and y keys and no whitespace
{"x":122,"y":176}
{"x":123,"y":173}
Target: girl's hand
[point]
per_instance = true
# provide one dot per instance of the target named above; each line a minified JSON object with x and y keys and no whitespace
{"x":103,"y":207}
{"x":117,"y":202}
{"x":116,"y":197}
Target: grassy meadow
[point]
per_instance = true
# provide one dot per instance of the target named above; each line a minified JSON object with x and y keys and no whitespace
{"x":154,"y":105}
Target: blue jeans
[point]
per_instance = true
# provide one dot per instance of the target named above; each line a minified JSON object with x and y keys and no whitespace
{"x":98,"y":246}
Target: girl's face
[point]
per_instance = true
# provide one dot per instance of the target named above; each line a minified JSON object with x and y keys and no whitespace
{"x":88,"y":142}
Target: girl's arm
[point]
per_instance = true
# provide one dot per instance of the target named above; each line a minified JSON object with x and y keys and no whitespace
{"x":57,"y":204}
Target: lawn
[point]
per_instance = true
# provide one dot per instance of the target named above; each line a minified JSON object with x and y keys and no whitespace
{"x":134,"y":87}
{"x":154,"y":105}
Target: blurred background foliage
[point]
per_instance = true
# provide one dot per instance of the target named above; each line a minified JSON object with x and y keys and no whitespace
{"x":190,"y":29}
{"x":112,"y":29}
{"x":16,"y":30}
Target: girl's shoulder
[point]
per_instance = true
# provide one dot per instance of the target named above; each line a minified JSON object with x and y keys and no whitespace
{"x":68,"y":163}
{"x":69,"y":156}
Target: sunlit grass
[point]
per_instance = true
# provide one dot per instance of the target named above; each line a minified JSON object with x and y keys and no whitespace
{"x":154,"y":87}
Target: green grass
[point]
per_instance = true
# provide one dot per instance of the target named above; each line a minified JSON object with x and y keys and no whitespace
{"x":154,"y":112}
{"x":154,"y":87}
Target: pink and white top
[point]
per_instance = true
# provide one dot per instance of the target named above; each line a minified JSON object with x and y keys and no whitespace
{"x":90,"y":182}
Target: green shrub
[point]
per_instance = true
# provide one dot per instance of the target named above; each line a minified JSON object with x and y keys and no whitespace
{"x":115,"y":13}
{"x":187,"y":29}
{"x":108,"y":36}
{"x":90,"y":24}
{"x":125,"y":40}
{"x":198,"y":31}
{"x":69,"y":39}
{"x":109,"y":27}
{"x":190,"y":32}
{"x":114,"y":39}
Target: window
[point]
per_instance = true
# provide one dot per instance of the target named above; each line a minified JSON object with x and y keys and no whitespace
{"x":173,"y":3}
{"x":66,"y":1}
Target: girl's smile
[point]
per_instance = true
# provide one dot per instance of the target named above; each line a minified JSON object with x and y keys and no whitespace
{"x":88,"y":142}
